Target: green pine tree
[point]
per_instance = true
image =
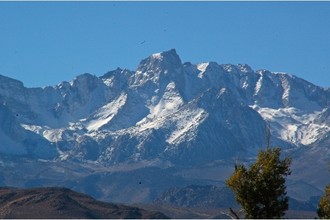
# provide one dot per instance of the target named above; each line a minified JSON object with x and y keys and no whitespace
{"x":323,"y":210}
{"x":261,"y":190}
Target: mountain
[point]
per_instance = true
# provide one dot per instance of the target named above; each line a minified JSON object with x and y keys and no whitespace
{"x":190,"y":122}
{"x":209,"y":196}
{"x":59,"y":203}
{"x":198,"y":197}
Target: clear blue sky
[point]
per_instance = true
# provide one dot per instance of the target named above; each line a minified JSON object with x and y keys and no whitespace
{"x":44,"y":43}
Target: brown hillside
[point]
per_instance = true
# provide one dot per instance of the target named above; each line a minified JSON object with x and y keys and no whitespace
{"x":62,"y":203}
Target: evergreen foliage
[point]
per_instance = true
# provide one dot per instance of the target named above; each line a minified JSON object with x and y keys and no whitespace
{"x":261,"y":190}
{"x":323,"y":210}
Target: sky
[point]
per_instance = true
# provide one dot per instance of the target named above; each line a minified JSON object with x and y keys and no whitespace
{"x":45,"y":43}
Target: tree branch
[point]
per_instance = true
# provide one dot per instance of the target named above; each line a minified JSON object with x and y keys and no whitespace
{"x":233,"y":213}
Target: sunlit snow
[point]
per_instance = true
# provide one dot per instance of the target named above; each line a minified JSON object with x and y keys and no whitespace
{"x":293,"y":125}
{"x":106,"y":113}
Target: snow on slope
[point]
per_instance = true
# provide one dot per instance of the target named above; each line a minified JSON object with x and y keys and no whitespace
{"x":294,"y":126}
{"x":106,"y":113}
{"x":167,"y":112}
{"x":187,"y":126}
{"x":168,"y":104}
{"x":153,"y":104}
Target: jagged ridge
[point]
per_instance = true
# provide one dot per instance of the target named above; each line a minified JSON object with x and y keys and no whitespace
{"x":166,"y":114}
{"x":164,"y":109}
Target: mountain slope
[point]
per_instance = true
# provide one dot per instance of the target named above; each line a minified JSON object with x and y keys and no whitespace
{"x":214,"y":197}
{"x":168,"y":112}
{"x":62,"y":203}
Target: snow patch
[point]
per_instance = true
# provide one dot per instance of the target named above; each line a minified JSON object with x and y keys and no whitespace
{"x":34,"y":128}
{"x":245,"y":85}
{"x":106,"y":113}
{"x":258,"y":84}
{"x":293,"y":125}
{"x":53,"y":135}
{"x":186,"y":127}
{"x":157,"y":56}
{"x":170,"y":102}
{"x":202,"y":68}
{"x":109,"y":81}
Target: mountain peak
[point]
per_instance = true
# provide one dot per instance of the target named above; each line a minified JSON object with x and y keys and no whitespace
{"x":170,"y":54}
{"x":167,"y":60}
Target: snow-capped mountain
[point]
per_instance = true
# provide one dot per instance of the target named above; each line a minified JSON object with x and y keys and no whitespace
{"x":166,"y":111}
